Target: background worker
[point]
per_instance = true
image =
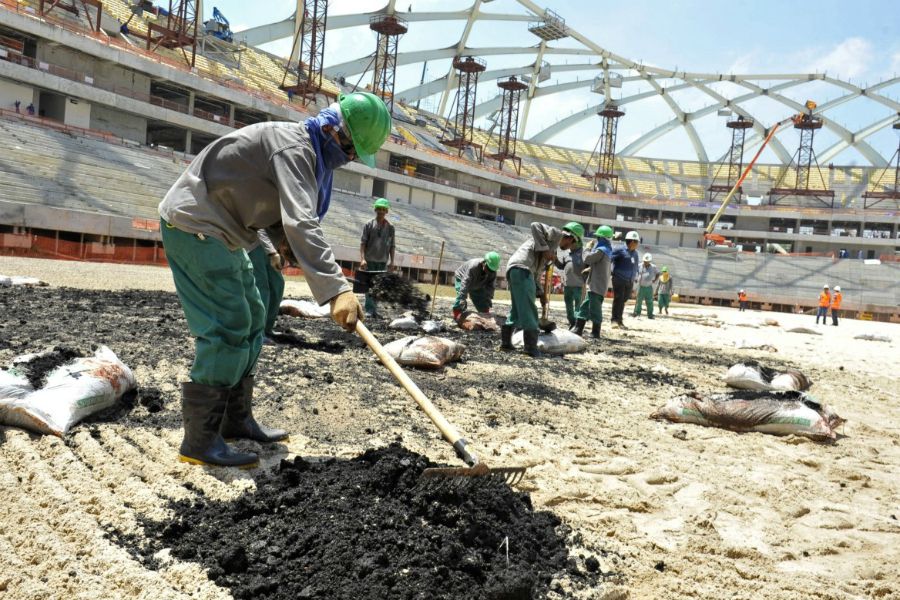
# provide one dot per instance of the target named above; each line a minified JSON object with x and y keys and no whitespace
{"x":597,"y":281}
{"x":476,"y":278}
{"x":664,"y":289}
{"x":275,"y":176}
{"x":522,"y":272}
{"x":376,"y":247}
{"x":836,"y":299}
{"x":824,"y":303}
{"x":742,"y":301}
{"x":267,"y":265}
{"x":647,"y":275}
{"x":573,"y":286}
{"x":624,"y":272}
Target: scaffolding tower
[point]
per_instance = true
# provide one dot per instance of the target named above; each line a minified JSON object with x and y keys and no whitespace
{"x":605,"y":150}
{"x":468,"y":67}
{"x":177,"y":30}
{"x":804,"y":163}
{"x":309,"y":49}
{"x":509,"y":122}
{"x":47,"y":6}
{"x":735,"y":163}
{"x":886,"y":193}
{"x":389,"y":29}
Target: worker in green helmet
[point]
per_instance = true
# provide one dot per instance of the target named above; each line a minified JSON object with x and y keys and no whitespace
{"x":376,"y":248}
{"x":267,"y":265}
{"x":475,"y":279}
{"x":522,"y":271}
{"x":572,"y":286}
{"x":664,"y":289}
{"x":598,"y":269}
{"x":275,"y":176}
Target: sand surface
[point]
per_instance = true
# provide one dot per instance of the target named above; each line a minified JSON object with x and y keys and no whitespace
{"x":681,"y":511}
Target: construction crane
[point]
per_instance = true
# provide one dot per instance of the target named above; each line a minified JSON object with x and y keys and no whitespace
{"x":219,"y":26}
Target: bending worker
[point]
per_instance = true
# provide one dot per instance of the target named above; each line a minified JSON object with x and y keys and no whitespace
{"x":275,"y":176}
{"x":598,"y":261}
{"x":574,"y":284}
{"x":522,"y":272}
{"x":664,"y":289}
{"x":267,"y":265}
{"x":624,"y":274}
{"x":376,"y":247}
{"x":475,"y":278}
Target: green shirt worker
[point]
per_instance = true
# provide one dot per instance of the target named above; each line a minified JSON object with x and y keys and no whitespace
{"x":275,"y":176}
{"x":475,"y":279}
{"x":376,"y":247}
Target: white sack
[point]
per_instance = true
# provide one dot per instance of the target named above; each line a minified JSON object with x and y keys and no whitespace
{"x":304,"y":309}
{"x":558,"y":341}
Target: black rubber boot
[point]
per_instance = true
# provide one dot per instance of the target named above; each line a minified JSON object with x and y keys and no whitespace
{"x":578,"y":329}
{"x":506,"y":333}
{"x":595,"y":331}
{"x":239,"y":421}
{"x":202,"y":407}
{"x":530,"y":339}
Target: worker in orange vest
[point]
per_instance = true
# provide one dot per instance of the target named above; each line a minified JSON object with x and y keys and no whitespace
{"x":824,"y":303}
{"x":742,"y":298}
{"x":836,"y":305}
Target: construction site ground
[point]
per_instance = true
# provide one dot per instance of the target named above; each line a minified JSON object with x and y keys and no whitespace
{"x":665,"y":510}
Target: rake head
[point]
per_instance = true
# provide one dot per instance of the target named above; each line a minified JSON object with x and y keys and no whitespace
{"x":511,"y":475}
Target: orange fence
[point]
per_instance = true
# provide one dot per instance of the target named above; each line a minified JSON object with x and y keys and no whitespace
{"x":42,"y":246}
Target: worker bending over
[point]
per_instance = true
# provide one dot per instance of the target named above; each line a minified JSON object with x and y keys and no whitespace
{"x":475,"y":278}
{"x":376,"y":248}
{"x":275,"y":176}
{"x":522,"y":272}
{"x":597,"y":270}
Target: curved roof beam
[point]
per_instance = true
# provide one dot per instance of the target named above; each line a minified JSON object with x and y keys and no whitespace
{"x":858,"y":136}
{"x":684,"y":118}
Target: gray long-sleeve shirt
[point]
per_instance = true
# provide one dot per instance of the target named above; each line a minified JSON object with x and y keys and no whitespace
{"x":664,"y":287}
{"x":600,"y":273}
{"x":571,"y":273}
{"x":528,"y":255}
{"x":473,"y":276}
{"x":252,"y":179}
{"x":378,"y":241}
{"x":647,"y":274}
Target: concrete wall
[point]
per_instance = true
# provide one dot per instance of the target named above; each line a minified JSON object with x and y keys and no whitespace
{"x":444,"y":203}
{"x":124,"y":125}
{"x":10,"y":92}
{"x":344,"y":180}
{"x":78,"y":113}
{"x":669,"y":238}
{"x":396,"y":192}
{"x":422,"y":198}
{"x":105,"y":74}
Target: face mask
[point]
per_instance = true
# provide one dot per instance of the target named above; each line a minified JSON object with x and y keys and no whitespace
{"x":333,"y":155}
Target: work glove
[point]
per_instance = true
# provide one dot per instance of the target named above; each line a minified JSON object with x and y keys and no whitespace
{"x":457,"y":313}
{"x":345,"y":310}
{"x":277,"y":261}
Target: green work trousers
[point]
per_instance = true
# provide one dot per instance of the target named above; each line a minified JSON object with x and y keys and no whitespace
{"x":645,"y":294}
{"x":572,"y":298}
{"x":270,"y":283}
{"x":480,"y":298}
{"x":221,"y":304}
{"x":664,"y":301}
{"x":592,"y":308}
{"x":522,"y":290}
{"x":371,"y":307}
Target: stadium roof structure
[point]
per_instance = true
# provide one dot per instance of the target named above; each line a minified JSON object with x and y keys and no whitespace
{"x":558,"y":43}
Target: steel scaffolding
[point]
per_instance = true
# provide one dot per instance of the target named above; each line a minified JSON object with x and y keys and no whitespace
{"x":509,"y":122}
{"x":389,"y":29}
{"x":735,"y":163}
{"x":309,"y":48}
{"x":468,"y":68}
{"x":803,"y":162}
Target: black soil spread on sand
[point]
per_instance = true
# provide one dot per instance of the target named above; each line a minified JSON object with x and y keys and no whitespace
{"x":393,"y":288}
{"x":370,"y":527}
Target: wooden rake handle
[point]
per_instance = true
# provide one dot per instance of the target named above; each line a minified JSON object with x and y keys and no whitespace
{"x":446,"y":428}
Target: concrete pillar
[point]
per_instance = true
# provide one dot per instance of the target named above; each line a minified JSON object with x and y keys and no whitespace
{"x":231,"y":115}
{"x":187,"y":141}
{"x":191,"y":97}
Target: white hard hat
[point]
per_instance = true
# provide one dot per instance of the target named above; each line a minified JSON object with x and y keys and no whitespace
{"x":648,"y":257}
{"x":742,"y":291}
{"x":632,"y":235}
{"x":825,"y":287}
{"x":837,"y":288}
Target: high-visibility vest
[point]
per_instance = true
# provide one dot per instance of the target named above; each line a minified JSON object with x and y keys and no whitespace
{"x":743,"y":297}
{"x":824,"y":300}
{"x":836,"y":300}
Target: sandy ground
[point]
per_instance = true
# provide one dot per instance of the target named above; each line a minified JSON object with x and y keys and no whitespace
{"x":705,"y":513}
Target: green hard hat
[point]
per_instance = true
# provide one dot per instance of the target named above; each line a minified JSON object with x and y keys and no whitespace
{"x":369,"y":123}
{"x":604,"y":231}
{"x":382,"y":203}
{"x":665,"y":269}
{"x":492,"y":260}
{"x":576,"y":229}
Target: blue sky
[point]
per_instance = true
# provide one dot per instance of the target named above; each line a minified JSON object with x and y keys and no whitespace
{"x":859,"y":42}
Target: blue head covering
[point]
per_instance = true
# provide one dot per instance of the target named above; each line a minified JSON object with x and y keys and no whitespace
{"x":328,"y":154}
{"x":603,"y":246}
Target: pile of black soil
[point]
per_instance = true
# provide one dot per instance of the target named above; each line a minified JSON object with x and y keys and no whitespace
{"x":395,"y":289}
{"x":44,"y":363}
{"x":370,"y":528}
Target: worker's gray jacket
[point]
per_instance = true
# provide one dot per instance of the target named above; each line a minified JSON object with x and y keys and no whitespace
{"x":571,"y":273}
{"x":528,"y":255}
{"x":664,"y":287}
{"x":378,"y":241}
{"x":647,"y":275}
{"x":472,"y":276}
{"x":260,"y":176}
{"x":601,"y":271}
{"x":266,"y":242}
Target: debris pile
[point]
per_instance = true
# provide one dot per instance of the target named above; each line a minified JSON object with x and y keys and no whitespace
{"x":393,"y":288}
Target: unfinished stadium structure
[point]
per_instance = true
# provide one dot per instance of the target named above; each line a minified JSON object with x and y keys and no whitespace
{"x":100,"y":111}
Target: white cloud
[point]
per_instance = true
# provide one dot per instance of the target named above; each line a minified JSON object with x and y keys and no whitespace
{"x":849,"y":59}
